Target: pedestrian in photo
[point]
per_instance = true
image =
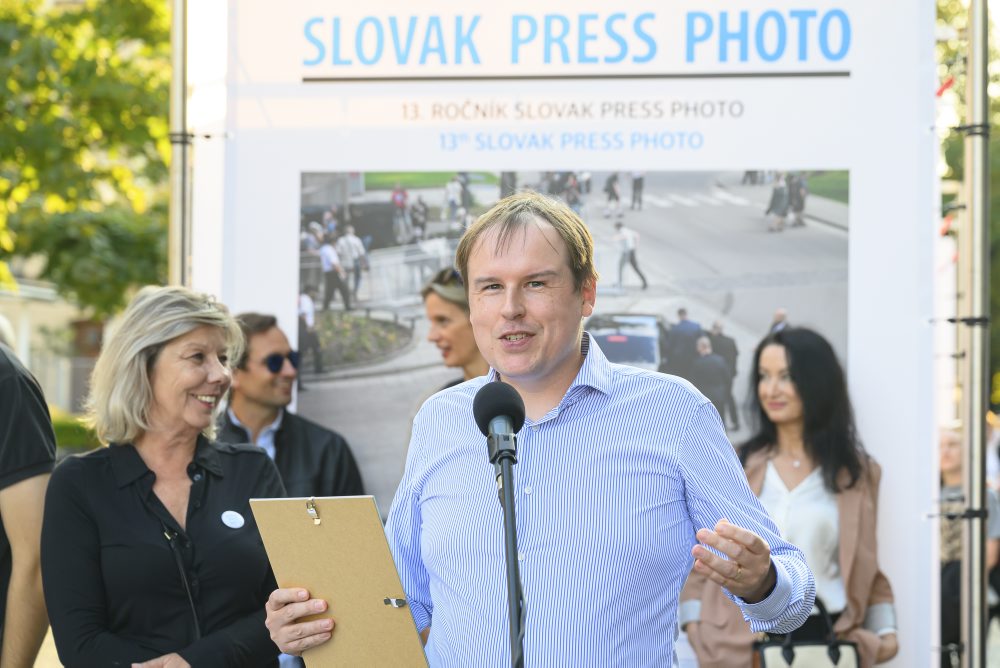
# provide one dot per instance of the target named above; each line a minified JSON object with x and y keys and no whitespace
{"x":710,"y":374}
{"x":466,"y":191}
{"x":353,"y":258}
{"x":150,"y":553}
{"x":453,"y":197}
{"x":27,"y":455}
{"x":308,"y":336}
{"x":725,"y":347}
{"x":333,"y":274}
{"x":447,"y":307}
{"x":613,"y":204}
{"x":419,"y":213}
{"x":627,"y":241}
{"x":682,"y":345}
{"x":638,"y":181}
{"x":400,"y":213}
{"x":571,"y":194}
{"x":779,"y":321}
{"x":623,"y":475}
{"x":798,"y":189}
{"x":814,"y":478}
{"x":778,"y":206}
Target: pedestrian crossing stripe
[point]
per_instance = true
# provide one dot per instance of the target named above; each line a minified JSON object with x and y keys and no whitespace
{"x":681,"y":199}
{"x":657,"y":201}
{"x":717,"y":197}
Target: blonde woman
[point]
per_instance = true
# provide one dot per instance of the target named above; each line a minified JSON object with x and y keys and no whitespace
{"x":447,"y":307}
{"x":150,"y":554}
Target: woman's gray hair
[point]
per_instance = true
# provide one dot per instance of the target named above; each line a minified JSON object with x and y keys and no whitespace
{"x":120,"y":390}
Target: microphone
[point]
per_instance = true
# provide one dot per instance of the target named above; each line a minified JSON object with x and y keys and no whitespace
{"x":499,"y":413}
{"x":498,"y":409}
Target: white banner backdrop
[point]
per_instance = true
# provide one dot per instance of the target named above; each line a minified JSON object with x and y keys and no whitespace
{"x":672,"y":87}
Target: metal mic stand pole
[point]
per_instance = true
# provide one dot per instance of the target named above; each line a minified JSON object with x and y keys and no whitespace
{"x":503,"y":450}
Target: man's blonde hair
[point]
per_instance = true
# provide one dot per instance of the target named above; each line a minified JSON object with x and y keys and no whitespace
{"x":120,"y":391}
{"x":513,"y":213}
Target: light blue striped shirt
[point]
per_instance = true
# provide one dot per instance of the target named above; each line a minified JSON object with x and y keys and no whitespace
{"x":611,"y":486}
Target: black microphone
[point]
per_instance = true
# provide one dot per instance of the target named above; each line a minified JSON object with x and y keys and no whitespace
{"x":499,"y":413}
{"x":501,"y":402}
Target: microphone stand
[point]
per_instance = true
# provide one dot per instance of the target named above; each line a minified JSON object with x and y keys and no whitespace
{"x":503,"y":455}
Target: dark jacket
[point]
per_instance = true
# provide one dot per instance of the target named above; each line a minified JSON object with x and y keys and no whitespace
{"x":312,"y":460}
{"x":725,"y":347}
{"x":711,"y":376}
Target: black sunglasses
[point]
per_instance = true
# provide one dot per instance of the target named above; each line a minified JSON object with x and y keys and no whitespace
{"x":275,"y":361}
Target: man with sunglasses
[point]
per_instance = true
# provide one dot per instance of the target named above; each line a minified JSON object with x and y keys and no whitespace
{"x":312,"y":460}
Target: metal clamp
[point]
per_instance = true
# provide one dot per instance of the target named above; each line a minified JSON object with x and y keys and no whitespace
{"x":313,"y":512}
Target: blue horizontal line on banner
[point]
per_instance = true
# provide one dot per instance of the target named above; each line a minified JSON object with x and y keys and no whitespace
{"x":557,"y":77}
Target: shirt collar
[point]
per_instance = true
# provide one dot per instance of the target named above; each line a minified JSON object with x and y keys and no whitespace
{"x":127,"y":466}
{"x":274,"y":426}
{"x":595,"y":372}
{"x":206,"y":455}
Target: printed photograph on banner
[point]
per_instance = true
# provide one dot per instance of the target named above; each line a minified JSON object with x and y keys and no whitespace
{"x":691,"y":264}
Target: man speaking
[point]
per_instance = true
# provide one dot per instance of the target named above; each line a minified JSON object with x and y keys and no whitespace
{"x":620,"y":474}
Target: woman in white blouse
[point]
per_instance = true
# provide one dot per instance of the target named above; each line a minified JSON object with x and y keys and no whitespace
{"x":812,"y":475}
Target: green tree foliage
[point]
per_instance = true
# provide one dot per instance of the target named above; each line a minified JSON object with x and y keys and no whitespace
{"x":84,"y":144}
{"x":952,"y":16}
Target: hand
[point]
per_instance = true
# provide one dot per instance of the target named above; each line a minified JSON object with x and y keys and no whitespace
{"x":747,"y":573}
{"x":173,"y":660}
{"x":888,"y":645}
{"x":284,"y":608}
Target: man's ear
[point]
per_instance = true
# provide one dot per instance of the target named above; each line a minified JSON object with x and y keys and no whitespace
{"x":237,"y":374}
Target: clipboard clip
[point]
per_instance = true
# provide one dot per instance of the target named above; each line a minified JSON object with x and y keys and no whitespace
{"x":313,"y":513}
{"x":395,"y":602}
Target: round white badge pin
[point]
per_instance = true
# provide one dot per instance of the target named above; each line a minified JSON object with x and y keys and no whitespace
{"x":233,"y":519}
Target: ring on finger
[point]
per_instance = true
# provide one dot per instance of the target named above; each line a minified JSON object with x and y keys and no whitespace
{"x":739,"y":572}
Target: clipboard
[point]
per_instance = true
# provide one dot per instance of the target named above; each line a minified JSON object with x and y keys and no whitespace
{"x":336,"y":548}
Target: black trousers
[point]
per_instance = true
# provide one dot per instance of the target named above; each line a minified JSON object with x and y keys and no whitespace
{"x":332,"y":281}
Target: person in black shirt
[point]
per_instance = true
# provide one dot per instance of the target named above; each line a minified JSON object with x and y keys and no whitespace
{"x":710,"y":374}
{"x":150,"y":553}
{"x":27,"y":454}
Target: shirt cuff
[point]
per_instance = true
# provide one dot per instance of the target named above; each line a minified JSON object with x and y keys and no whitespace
{"x":763,"y":613}
{"x":688,"y":611}
{"x":881,"y":618}
{"x":421,"y":615}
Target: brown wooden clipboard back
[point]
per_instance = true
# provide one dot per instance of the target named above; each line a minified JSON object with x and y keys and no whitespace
{"x":345,"y":560}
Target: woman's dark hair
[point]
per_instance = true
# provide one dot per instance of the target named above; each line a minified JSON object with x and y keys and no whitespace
{"x":829,"y":434}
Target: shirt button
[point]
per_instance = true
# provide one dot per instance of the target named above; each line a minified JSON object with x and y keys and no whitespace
{"x":197,"y":477}
{"x":534,"y":427}
{"x":527,"y":490}
{"x":520,"y":556}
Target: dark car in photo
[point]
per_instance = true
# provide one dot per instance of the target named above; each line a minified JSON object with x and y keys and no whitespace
{"x":636,"y":339}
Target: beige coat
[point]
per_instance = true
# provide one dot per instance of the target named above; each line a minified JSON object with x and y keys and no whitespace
{"x":725,"y":638}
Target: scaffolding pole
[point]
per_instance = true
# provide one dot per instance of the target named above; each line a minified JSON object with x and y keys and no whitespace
{"x":973,"y":331}
{"x":179,"y":233}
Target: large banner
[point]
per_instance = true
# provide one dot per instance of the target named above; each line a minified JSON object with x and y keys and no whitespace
{"x":774,"y":161}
